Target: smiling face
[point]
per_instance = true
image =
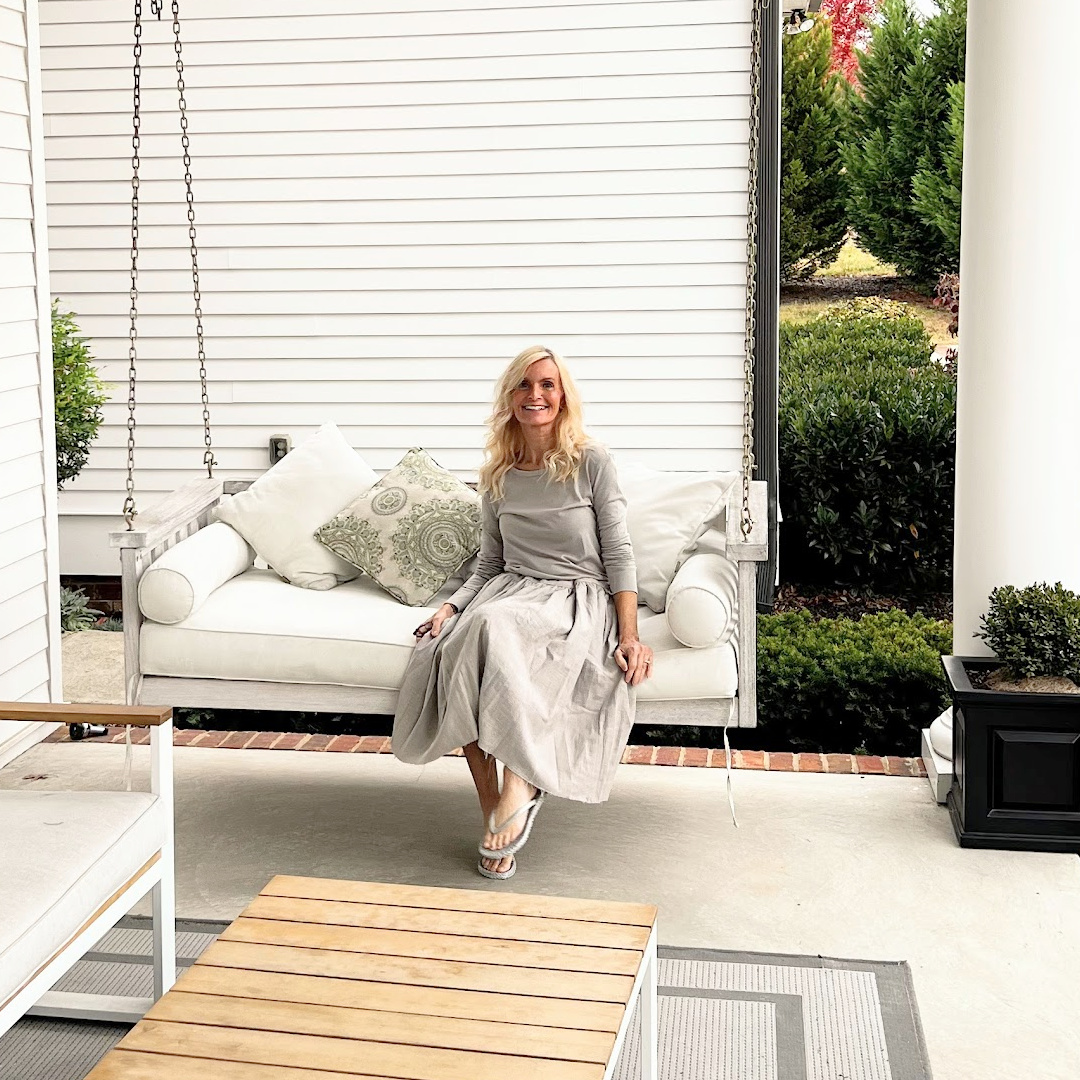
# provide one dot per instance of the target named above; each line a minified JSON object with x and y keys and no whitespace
{"x":538,"y":397}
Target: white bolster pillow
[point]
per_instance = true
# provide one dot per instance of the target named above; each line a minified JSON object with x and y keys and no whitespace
{"x":177,"y":583}
{"x":702,"y":601}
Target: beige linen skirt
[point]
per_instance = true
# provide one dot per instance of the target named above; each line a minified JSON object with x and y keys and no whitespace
{"x":527,"y":671}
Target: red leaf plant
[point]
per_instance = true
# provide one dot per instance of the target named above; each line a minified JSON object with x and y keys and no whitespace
{"x":851,"y":29}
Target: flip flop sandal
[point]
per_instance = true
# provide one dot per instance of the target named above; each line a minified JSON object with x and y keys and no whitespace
{"x":530,"y":809}
{"x":498,"y":875}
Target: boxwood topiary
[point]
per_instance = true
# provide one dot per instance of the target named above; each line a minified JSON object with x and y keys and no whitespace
{"x":1034,"y":631}
{"x":78,"y":395}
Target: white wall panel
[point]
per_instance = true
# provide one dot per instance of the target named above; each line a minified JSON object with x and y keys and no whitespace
{"x":392,"y":202}
{"x":29,"y":621}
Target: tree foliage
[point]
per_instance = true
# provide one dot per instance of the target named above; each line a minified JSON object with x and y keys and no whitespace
{"x":813,"y":216}
{"x":904,"y":124}
{"x":78,"y":396}
{"x":937,"y":187}
{"x":850,"y":21}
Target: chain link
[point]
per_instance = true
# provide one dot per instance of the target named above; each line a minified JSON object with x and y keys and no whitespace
{"x":133,"y":311}
{"x":185,"y":141}
{"x":746,"y":523}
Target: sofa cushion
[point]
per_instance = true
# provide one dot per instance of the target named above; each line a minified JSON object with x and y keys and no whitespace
{"x":64,"y":854}
{"x":410,"y":531}
{"x":258,"y":627}
{"x":702,"y":600}
{"x":181,"y":579}
{"x":279,"y":513}
{"x":666,"y":514}
{"x":679,"y":673}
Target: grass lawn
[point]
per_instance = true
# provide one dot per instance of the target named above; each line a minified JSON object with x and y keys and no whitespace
{"x":852,"y":261}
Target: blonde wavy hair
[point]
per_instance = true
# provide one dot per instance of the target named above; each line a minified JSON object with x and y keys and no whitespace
{"x":505,"y":446}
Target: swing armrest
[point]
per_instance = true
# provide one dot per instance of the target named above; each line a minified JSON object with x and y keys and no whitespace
{"x":172,"y":517}
{"x":755,"y":547}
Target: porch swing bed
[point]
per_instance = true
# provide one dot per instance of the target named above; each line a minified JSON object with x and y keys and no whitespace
{"x":206,"y":626}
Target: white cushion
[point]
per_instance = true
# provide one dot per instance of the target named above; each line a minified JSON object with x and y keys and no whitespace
{"x":64,"y":855}
{"x":679,"y":673}
{"x":258,"y":627}
{"x":178,"y":582}
{"x":702,"y":601}
{"x":279,"y":513}
{"x":666,"y":514}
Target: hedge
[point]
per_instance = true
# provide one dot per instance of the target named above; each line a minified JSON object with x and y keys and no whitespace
{"x":864,"y":685}
{"x":867,"y":432}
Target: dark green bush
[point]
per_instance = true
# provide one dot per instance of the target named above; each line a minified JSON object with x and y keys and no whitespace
{"x":1034,"y":631}
{"x":845,"y":685}
{"x":867,"y":430}
{"x":78,"y":395}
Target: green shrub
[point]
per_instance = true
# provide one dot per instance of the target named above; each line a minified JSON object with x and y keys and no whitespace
{"x":78,"y":395}
{"x":845,"y":685}
{"x":867,"y":430}
{"x":1034,"y":631}
{"x":75,"y":611}
{"x":813,"y":214}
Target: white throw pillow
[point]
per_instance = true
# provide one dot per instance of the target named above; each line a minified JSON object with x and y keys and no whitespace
{"x":666,"y":514}
{"x":177,"y":583}
{"x":279,"y":513}
{"x":702,"y":601}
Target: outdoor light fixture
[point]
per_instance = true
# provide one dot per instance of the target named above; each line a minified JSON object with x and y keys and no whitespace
{"x":798,"y":22}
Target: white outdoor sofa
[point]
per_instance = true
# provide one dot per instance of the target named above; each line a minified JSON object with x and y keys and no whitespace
{"x":212,"y":630}
{"x":72,"y":863}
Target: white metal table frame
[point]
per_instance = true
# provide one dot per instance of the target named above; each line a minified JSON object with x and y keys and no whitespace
{"x":643,"y":992}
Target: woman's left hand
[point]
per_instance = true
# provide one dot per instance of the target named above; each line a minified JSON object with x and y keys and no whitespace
{"x":635,"y":659}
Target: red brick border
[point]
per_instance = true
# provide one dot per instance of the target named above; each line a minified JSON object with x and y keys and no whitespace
{"x":684,"y":756}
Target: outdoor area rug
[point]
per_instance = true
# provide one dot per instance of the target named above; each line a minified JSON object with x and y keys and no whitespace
{"x":723,"y":1015}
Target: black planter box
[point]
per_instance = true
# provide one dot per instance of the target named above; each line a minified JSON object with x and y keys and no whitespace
{"x":1016,"y":765}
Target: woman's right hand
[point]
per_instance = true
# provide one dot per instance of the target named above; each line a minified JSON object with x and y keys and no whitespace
{"x":435,"y":623}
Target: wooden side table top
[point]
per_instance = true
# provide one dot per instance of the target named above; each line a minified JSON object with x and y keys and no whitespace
{"x":322,"y":980}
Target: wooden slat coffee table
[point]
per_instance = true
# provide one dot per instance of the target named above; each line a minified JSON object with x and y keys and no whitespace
{"x":322,"y":980}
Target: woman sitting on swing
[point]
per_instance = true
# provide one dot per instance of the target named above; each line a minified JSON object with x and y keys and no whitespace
{"x":533,"y":661}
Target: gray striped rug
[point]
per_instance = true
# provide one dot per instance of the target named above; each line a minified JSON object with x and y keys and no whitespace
{"x":723,"y":1015}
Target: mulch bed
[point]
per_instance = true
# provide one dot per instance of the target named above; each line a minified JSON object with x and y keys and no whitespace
{"x":853,"y":604}
{"x":844,"y":288}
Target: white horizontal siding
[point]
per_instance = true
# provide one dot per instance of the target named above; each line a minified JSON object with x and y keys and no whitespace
{"x":392,"y":203}
{"x":26,"y":502}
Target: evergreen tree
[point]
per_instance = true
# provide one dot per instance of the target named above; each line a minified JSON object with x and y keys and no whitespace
{"x":812,"y":190}
{"x":937,"y":189}
{"x":899,"y":126}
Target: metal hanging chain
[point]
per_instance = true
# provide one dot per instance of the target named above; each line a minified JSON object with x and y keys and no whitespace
{"x":133,"y":331}
{"x":133,"y":311}
{"x":208,"y":455}
{"x":746,"y":523}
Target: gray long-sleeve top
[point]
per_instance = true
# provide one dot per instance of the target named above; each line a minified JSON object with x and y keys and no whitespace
{"x":556,"y":530}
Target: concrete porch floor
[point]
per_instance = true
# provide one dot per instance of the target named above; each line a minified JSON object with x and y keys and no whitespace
{"x":850,"y":866}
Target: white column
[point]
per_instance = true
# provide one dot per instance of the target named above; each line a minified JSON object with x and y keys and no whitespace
{"x":1018,"y":413}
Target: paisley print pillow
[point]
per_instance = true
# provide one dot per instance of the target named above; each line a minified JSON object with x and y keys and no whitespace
{"x":411,"y":531}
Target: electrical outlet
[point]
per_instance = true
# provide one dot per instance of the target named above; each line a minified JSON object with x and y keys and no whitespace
{"x":280,"y":445}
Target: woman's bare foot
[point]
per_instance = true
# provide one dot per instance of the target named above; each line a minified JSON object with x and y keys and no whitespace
{"x":485,"y":774}
{"x":515,"y":794}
